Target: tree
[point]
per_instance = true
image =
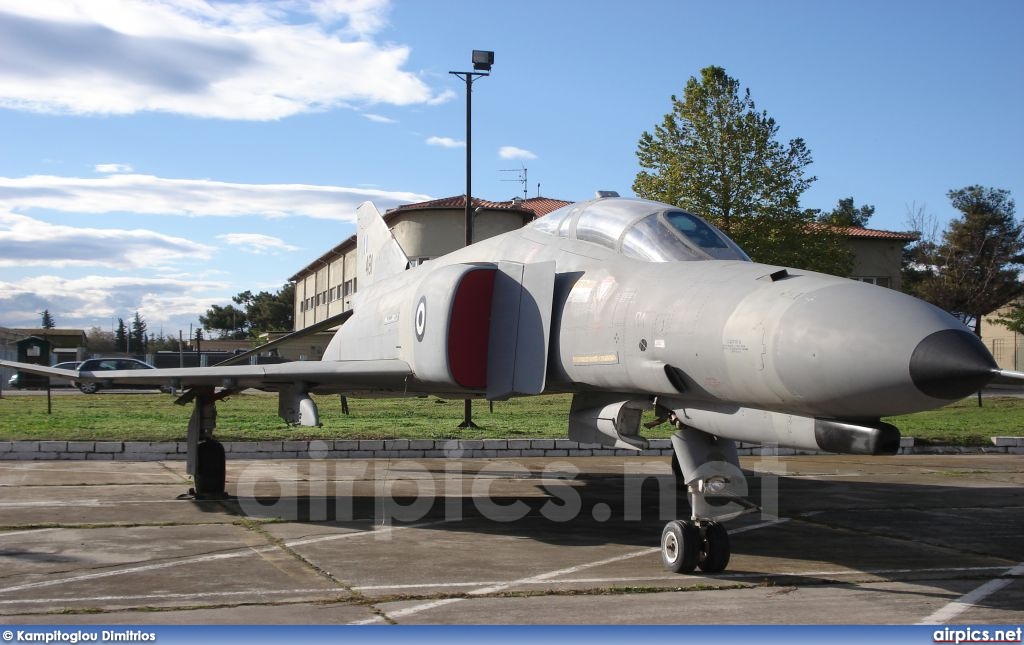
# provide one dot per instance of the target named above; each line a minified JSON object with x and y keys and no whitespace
{"x":846,"y":214}
{"x":47,"y":319}
{"x":259,"y":313}
{"x":101,"y":341}
{"x":121,"y":336}
{"x":715,"y":155}
{"x":138,"y":334}
{"x":973,"y":270}
{"x":267,"y":311}
{"x":229,"y":321}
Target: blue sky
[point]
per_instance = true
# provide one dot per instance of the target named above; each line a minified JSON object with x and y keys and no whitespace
{"x":164,"y":156}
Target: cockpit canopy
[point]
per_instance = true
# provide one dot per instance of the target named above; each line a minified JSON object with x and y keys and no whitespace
{"x":641,"y":229}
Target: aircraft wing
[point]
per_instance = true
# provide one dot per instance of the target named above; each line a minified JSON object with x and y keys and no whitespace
{"x":339,"y":376}
{"x":40,"y":369}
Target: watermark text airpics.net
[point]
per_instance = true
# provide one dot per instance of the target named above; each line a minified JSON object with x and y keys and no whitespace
{"x":971,"y":635}
{"x":406,"y":490}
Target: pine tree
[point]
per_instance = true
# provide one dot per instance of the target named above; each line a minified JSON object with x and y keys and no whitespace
{"x":139,"y":334}
{"x":974,"y":270}
{"x":716,"y":156}
{"x":47,"y":319}
{"x":121,"y":336}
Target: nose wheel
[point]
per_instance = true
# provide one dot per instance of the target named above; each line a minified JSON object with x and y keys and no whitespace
{"x":687,"y":545}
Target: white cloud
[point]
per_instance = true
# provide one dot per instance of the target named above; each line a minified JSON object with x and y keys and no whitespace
{"x":25,"y":241}
{"x":512,"y":152}
{"x":149,"y":195}
{"x":253,"y":61}
{"x":110,"y":168}
{"x":443,"y":97}
{"x":85,"y":301}
{"x":376,"y":118}
{"x":257,"y":242}
{"x":445,"y":142}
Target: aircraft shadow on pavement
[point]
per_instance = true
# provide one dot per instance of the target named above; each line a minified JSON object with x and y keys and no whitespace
{"x":833,"y":524}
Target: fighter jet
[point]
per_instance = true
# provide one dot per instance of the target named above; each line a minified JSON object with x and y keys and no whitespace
{"x":629,"y":305}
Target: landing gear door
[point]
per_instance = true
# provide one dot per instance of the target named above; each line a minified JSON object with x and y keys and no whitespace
{"x":517,"y":350}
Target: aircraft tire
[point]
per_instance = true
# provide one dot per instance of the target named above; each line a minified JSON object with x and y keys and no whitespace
{"x":714,"y":549}
{"x":680,"y":544}
{"x":210,"y":469}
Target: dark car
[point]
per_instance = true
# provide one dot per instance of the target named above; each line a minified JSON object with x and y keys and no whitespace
{"x":109,"y":364}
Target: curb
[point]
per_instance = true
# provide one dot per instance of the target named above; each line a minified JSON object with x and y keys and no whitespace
{"x":417,"y":449}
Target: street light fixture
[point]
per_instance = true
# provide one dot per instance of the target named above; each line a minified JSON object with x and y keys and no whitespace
{"x":482,"y":62}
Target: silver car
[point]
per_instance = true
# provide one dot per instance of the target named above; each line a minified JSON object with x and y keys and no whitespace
{"x":107,"y":364}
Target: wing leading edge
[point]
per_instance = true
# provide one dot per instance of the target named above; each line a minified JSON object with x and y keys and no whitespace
{"x":318,"y":376}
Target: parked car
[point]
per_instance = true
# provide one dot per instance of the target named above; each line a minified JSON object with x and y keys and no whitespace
{"x":102,"y":364}
{"x":55,"y":381}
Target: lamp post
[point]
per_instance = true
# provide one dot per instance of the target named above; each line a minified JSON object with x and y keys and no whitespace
{"x":482,"y":61}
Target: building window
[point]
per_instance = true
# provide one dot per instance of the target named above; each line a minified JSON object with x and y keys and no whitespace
{"x":349,"y":287}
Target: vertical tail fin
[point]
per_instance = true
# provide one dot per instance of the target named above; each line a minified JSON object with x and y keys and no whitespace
{"x":378,"y":254}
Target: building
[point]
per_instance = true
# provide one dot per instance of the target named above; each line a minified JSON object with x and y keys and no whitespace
{"x":425,"y":230}
{"x":65,"y":344}
{"x":1006,"y":346}
{"x":877,"y":255}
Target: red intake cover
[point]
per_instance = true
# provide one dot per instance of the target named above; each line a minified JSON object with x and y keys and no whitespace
{"x":469,"y":329}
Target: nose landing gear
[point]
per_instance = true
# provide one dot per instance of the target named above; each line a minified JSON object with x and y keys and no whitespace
{"x":687,"y":545}
{"x":708,"y":468}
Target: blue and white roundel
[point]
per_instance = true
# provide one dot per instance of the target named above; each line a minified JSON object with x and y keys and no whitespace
{"x":421,"y":318}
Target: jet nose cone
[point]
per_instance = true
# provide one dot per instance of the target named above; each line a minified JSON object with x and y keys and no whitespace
{"x":951,"y":364}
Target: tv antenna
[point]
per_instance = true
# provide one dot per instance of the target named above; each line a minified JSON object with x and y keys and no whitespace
{"x":520,"y":177}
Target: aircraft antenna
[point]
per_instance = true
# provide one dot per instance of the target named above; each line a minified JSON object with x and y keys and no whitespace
{"x":520,"y":177}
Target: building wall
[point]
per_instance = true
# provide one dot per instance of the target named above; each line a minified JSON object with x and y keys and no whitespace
{"x":877,"y":261}
{"x":443,"y":231}
{"x":1007,"y":347}
{"x":327,"y":291}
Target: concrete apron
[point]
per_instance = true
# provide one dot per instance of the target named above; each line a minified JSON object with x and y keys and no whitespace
{"x":855,"y":540}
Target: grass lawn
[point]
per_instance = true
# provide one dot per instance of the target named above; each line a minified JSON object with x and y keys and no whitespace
{"x":253,"y":416}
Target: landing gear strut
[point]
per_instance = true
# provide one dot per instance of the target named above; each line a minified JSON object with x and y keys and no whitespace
{"x":206,"y":459}
{"x":708,"y":468}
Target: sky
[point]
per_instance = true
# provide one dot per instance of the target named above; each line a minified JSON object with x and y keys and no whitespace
{"x":162,"y":156}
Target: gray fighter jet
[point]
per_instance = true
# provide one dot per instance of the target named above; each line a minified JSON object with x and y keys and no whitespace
{"x":629,"y":305}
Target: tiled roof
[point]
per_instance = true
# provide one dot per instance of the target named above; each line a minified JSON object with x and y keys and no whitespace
{"x":543,"y":205}
{"x":457,"y":201}
{"x":538,"y":206}
{"x":869,"y":233}
{"x":40,"y":331}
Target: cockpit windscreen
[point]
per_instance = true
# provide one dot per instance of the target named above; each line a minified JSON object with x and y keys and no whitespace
{"x":642,"y":230}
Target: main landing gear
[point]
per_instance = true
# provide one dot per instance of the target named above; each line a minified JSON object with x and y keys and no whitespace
{"x":206,"y":459}
{"x":708,"y":468}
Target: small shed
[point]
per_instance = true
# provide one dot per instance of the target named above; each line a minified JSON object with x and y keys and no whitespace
{"x":36,"y":351}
